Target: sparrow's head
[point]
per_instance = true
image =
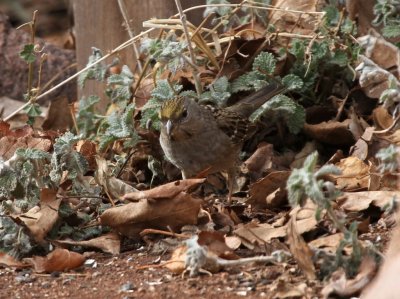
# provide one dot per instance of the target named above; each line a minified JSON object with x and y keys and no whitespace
{"x":175,"y":117}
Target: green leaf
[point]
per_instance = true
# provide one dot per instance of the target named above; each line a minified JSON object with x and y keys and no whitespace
{"x":121,"y":85}
{"x":292,"y":82}
{"x":95,"y":72}
{"x":33,"y":110}
{"x":119,"y":126}
{"x":284,"y":107}
{"x":264,"y":63}
{"x":163,"y":91}
{"x":28,"y":53}
{"x":340,"y":58}
{"x":389,"y":159}
{"x":219,"y":92}
{"x":392,"y":29}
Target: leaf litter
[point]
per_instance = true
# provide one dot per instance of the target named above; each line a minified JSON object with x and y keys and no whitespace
{"x":305,"y":233}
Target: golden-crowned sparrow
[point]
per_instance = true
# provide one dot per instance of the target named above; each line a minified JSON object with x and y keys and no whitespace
{"x":197,"y":138}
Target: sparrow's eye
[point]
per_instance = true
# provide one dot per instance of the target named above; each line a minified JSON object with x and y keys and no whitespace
{"x":184,"y":113}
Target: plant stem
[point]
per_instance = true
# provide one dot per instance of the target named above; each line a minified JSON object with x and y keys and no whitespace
{"x":30,"y":72}
{"x":191,"y":52}
{"x":122,"y":8}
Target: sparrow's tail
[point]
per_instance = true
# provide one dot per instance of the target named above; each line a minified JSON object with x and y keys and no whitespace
{"x":251,"y":103}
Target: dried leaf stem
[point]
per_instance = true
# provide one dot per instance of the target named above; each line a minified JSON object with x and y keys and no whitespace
{"x":191,"y":51}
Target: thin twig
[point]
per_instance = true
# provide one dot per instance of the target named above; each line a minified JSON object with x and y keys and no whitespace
{"x":191,"y":52}
{"x":115,"y":50}
{"x":122,"y":9}
{"x":163,"y":232}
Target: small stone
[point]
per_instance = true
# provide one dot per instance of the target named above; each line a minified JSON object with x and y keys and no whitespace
{"x":24,"y":278}
{"x":46,"y":284}
{"x":129,"y":286}
{"x":241,"y":293}
{"x":91,"y":263}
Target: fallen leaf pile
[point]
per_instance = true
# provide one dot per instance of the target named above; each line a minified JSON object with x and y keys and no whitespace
{"x":62,"y":194}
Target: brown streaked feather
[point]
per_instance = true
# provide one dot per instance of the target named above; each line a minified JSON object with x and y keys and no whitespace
{"x":231,"y":123}
{"x":246,"y":106}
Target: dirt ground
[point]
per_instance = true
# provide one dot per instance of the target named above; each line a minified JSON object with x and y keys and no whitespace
{"x":118,"y":277}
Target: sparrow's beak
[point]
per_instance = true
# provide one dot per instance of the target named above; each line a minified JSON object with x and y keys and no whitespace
{"x":169,"y":126}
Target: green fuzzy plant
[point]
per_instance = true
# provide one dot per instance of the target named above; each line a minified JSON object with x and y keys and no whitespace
{"x":309,"y":182}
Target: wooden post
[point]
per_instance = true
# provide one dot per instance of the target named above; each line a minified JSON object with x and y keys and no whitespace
{"x":99,"y":23}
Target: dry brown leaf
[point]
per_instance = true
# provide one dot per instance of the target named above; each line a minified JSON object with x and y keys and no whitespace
{"x":355,"y":174}
{"x":307,"y":149}
{"x":9,"y":144}
{"x":282,"y":289}
{"x":252,"y":233}
{"x":40,"y":220}
{"x":8,"y":261}
{"x":57,"y":260}
{"x":361,"y":11}
{"x":382,"y":118}
{"x":361,"y":147}
{"x":110,"y":243}
{"x":259,"y":191}
{"x":383,"y":53}
{"x":176,"y":263}
{"x":386,"y":282}
{"x":303,"y":20}
{"x":132,"y":218}
{"x":114,"y":187}
{"x":340,"y":285}
{"x":169,"y":190}
{"x":329,"y":243}
{"x":58,"y":118}
{"x":233,"y":242}
{"x":88,"y":149}
{"x":260,"y":161}
{"x":331,"y":132}
{"x":215,"y":243}
{"x":249,"y":31}
{"x":360,"y":201}
{"x":300,"y":250}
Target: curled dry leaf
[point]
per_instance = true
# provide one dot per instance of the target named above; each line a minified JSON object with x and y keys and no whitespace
{"x":132,"y":218}
{"x":382,"y":52}
{"x":340,"y":285}
{"x":328,"y":243}
{"x":386,"y":282}
{"x":88,"y":149}
{"x":40,"y":220}
{"x":110,"y":243}
{"x":355,"y":174}
{"x":273,"y":184}
{"x":331,"y":132}
{"x":382,"y":118}
{"x":169,"y":190}
{"x":360,"y":201}
{"x":8,"y":261}
{"x":113,"y":186}
{"x":260,"y":161}
{"x":282,"y":289}
{"x":252,"y":233}
{"x":176,"y":263}
{"x":299,"y":158}
{"x":215,"y":243}
{"x":57,"y":260}
{"x":22,"y":138}
{"x":360,"y":149}
{"x":300,"y":250}
{"x":373,"y":79}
